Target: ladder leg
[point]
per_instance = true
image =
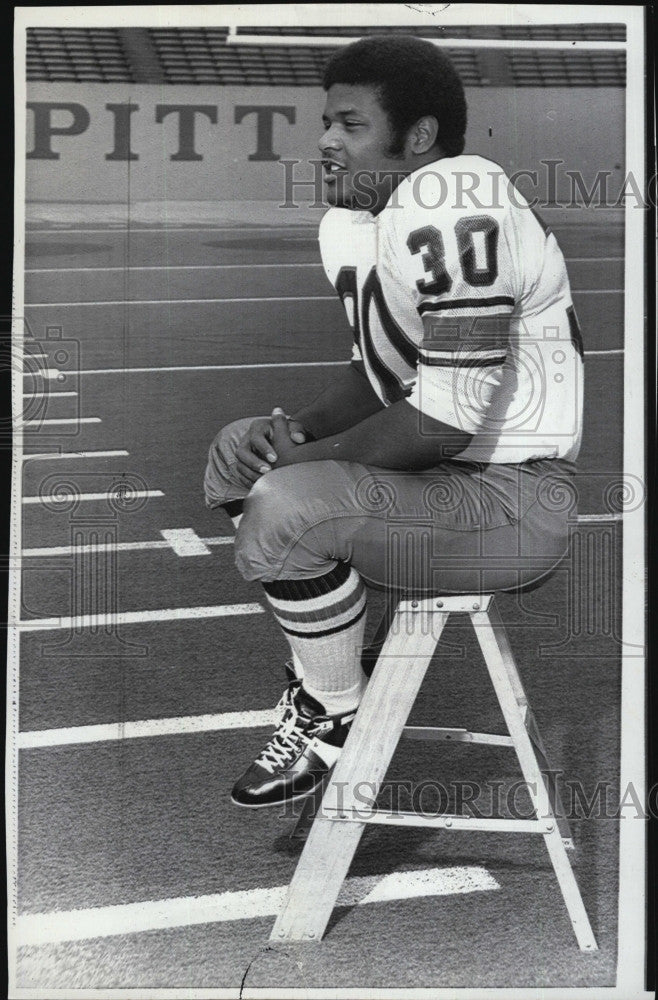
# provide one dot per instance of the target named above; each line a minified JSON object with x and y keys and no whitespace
{"x":372,"y":651}
{"x":363,"y":763}
{"x":550,"y":777}
{"x":497,"y":657}
{"x":309,"y":810}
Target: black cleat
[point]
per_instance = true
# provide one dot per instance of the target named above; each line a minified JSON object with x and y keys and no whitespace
{"x":304,"y":747}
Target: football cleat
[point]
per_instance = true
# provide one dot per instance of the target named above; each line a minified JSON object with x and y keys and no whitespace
{"x":304,"y":747}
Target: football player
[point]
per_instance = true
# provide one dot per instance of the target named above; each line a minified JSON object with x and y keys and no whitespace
{"x":438,"y":461}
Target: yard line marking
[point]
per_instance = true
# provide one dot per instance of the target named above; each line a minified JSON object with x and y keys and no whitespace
{"x":595,"y":518}
{"x":69,"y":550}
{"x":213,"y":267}
{"x":107,"y":495}
{"x":163,"y":267}
{"x":598,"y":260}
{"x":247,"y":904}
{"x":46,"y":455}
{"x":134,"y":617}
{"x":60,"y":420}
{"x":48,"y":373}
{"x":209,"y":368}
{"x":47,"y":395}
{"x":258,"y":298}
{"x":240,"y":367}
{"x":185,"y":542}
{"x":191,"y":302}
{"x":141,"y":728}
{"x":237,"y":228}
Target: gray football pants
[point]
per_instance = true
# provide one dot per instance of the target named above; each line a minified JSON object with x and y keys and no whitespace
{"x":459,"y":527}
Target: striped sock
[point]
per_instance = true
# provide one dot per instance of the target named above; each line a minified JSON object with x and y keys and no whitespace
{"x":324,"y":622}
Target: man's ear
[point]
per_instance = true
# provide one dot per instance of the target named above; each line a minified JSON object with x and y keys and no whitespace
{"x":423,"y":134}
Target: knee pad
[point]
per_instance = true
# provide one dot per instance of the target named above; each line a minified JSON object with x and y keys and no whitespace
{"x":269,"y":525}
{"x":219,"y":484}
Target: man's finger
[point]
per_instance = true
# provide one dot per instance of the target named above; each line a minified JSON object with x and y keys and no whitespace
{"x":260,"y":444}
{"x":249,"y":476}
{"x":251,"y":461}
{"x":296,"y":431}
{"x":279,"y":422}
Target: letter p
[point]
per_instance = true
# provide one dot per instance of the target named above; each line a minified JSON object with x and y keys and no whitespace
{"x":44,"y":128}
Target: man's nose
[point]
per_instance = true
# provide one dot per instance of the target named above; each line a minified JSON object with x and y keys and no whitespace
{"x":329,"y":140}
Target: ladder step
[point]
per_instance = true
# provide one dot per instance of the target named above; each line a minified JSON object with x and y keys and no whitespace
{"x":442,"y":822}
{"x":455,"y":735}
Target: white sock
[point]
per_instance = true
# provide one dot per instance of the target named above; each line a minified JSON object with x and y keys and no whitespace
{"x":324,"y":622}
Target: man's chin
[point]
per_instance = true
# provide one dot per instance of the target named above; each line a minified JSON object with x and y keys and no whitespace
{"x":335,"y":197}
{"x":338,"y":199}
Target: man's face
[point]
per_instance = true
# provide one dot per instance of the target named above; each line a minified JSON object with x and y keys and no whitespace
{"x":359,"y":171}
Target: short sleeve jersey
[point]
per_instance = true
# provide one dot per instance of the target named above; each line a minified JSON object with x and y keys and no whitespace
{"x":459,"y":301}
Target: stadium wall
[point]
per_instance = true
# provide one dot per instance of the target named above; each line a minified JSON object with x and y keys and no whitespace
{"x":120,"y":143}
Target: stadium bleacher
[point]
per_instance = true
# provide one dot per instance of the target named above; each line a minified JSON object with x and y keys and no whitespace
{"x":202,"y":55}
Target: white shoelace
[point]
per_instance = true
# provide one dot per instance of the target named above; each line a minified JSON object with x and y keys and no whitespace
{"x":284,"y":744}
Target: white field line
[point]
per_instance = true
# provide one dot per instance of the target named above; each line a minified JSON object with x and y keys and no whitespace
{"x":242,"y":267}
{"x":50,"y":422}
{"x":170,"y":267}
{"x":46,"y":395}
{"x":49,"y":373}
{"x":181,"y":726}
{"x":185,"y":542}
{"x":255,"y":230}
{"x":69,"y":550}
{"x":183,"y":302}
{"x":47,"y":455}
{"x":599,"y":518}
{"x":136,"y":617}
{"x":197,"y":368}
{"x":187,"y":911}
{"x":56,"y":498}
{"x":263,"y":365}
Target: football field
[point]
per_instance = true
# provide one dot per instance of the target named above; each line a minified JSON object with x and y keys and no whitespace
{"x":149,"y":670}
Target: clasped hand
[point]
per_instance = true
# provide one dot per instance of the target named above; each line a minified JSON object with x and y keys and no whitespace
{"x":268,"y":444}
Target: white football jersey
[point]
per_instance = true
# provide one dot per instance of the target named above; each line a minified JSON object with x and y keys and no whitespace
{"x":459,"y":301}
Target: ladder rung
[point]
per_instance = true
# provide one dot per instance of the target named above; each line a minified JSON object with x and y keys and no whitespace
{"x":443,"y":822}
{"x":456,"y":735}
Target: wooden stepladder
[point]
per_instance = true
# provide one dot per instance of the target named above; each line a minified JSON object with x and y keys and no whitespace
{"x":380,"y":722}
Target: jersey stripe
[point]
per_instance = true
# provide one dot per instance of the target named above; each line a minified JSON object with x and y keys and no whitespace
{"x":495,"y":300}
{"x":574,"y":330}
{"x":458,"y":361}
{"x":391,"y":385}
{"x":391,"y":388}
{"x":372,"y":292}
{"x":466,"y":333}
